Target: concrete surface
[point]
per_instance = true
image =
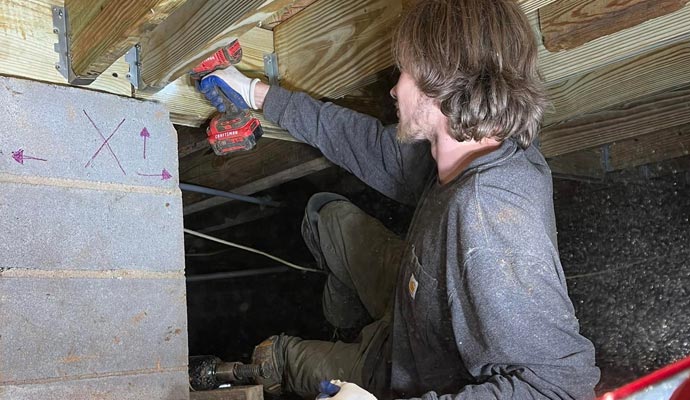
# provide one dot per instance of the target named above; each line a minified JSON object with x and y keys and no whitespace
{"x":92,"y":290}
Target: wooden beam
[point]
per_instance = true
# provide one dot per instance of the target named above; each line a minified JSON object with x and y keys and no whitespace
{"x":248,"y":172}
{"x":326,"y":61}
{"x":529,"y":6}
{"x":654,"y":72}
{"x":331,"y":46}
{"x":285,"y":14}
{"x":655,"y":147}
{"x":648,"y":115}
{"x":102,"y":31}
{"x":26,"y":47}
{"x":189,"y":108}
{"x":570,"y":24}
{"x":645,"y":37}
{"x":263,"y":183}
{"x":588,"y":163}
{"x":196,"y":31}
{"x":193,"y":139}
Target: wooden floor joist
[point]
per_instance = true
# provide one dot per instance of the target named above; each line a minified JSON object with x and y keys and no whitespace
{"x":285,"y":14}
{"x":529,"y":6}
{"x":196,"y":31}
{"x":651,"y":148}
{"x":637,"y":118}
{"x":271,"y":163}
{"x":569,"y":24}
{"x":645,"y":37}
{"x":26,"y":47}
{"x":654,"y":72}
{"x":590,"y":163}
{"x":104,"y":30}
{"x":263,"y":183}
{"x":331,"y":46}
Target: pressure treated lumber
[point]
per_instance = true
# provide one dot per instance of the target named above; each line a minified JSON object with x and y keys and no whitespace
{"x":654,"y":72}
{"x":193,"y":139}
{"x":285,"y":14}
{"x":195,"y":31}
{"x":332,"y":45}
{"x":569,"y":24}
{"x":588,"y":163}
{"x":189,"y":108}
{"x":645,"y":37}
{"x":529,"y":6}
{"x":102,"y":31}
{"x":270,"y":156}
{"x":26,"y":46}
{"x":654,"y":147}
{"x":647,"y":115}
{"x":267,"y":182}
{"x":271,"y":163}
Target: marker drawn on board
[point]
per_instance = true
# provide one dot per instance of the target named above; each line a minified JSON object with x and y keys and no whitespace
{"x":145,"y":134}
{"x":105,"y":143}
{"x":165,"y":175}
{"x":19,"y":157}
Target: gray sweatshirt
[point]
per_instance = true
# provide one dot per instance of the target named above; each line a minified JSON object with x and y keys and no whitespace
{"x":482,"y":309}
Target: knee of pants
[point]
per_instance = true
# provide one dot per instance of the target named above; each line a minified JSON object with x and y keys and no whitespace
{"x":310,"y":232}
{"x":316,"y":203}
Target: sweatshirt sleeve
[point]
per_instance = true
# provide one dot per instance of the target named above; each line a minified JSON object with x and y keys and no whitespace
{"x":524,"y":336}
{"x":358,"y":143}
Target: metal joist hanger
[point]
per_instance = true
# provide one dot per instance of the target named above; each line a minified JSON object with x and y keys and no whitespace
{"x":64,"y":64}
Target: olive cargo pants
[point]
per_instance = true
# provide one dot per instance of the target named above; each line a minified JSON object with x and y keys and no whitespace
{"x":362,"y":259}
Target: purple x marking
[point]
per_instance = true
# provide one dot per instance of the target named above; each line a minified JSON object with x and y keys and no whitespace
{"x":105,"y":143}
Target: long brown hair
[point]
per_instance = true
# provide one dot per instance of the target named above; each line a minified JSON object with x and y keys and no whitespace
{"x":478,"y":59}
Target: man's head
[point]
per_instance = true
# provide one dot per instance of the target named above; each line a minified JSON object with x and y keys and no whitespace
{"x":477,"y":61}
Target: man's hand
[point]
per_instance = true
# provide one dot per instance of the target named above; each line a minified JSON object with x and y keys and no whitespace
{"x":348,"y":391}
{"x":233,"y":84}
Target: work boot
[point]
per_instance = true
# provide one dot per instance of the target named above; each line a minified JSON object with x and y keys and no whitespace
{"x":310,"y":231}
{"x":269,"y":354}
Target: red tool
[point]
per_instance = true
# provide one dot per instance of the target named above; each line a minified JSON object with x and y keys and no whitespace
{"x":235,"y":129}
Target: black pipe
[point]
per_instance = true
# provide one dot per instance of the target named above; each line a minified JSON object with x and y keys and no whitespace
{"x":220,"y":193}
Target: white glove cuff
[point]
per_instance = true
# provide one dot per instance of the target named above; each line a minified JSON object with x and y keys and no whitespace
{"x":252,"y":87}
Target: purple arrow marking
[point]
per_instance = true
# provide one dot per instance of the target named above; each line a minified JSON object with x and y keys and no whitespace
{"x":145,"y":134}
{"x":165,"y":175}
{"x":20,"y":157}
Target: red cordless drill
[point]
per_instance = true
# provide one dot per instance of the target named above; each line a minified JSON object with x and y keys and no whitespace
{"x":235,"y":129}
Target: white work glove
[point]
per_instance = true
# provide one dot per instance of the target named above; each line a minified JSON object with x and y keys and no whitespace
{"x":233,"y":84}
{"x":350,"y":391}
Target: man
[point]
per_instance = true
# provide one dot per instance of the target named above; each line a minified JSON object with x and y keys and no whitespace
{"x":473,"y":303}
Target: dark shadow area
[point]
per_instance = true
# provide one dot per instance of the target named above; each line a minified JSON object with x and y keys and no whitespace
{"x":625,"y":248}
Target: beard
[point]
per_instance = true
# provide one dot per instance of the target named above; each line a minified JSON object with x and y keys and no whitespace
{"x":415,"y":128}
{"x":407,"y":133}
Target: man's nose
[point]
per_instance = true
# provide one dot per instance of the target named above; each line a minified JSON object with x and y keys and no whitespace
{"x":392,"y":92}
